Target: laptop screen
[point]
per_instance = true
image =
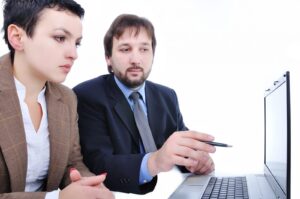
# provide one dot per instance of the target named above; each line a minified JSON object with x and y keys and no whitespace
{"x":277,"y":136}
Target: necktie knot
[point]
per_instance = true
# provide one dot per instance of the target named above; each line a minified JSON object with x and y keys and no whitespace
{"x":135,"y":96}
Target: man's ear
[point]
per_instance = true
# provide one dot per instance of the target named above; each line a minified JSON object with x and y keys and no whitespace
{"x":108,"y":62}
{"x":15,"y":35}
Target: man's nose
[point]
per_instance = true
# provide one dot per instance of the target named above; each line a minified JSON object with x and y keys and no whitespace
{"x":135,"y":58}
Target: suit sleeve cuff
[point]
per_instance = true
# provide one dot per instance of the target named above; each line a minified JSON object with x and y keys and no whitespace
{"x":145,"y":176}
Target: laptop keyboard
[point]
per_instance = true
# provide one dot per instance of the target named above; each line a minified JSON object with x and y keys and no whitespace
{"x":226,"y":188}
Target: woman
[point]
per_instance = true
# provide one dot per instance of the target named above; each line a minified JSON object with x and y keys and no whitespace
{"x":38,"y":121}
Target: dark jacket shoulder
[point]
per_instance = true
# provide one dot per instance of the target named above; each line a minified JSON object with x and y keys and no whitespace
{"x":160,"y":89}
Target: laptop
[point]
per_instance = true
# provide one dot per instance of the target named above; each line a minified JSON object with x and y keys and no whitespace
{"x":274,"y":182}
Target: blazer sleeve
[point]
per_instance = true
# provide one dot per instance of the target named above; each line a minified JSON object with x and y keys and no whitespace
{"x":75,"y":159}
{"x":180,"y":123}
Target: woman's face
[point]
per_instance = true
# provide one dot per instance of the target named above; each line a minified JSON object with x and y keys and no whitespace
{"x":50,"y":53}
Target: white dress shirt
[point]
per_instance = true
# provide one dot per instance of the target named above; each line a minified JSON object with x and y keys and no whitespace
{"x":38,"y":146}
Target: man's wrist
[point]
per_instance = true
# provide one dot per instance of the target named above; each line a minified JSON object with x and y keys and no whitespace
{"x":145,"y":176}
{"x":152,"y":166}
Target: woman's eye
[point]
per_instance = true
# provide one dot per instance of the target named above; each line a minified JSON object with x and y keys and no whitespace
{"x":78,"y":44}
{"x":60,"y":38}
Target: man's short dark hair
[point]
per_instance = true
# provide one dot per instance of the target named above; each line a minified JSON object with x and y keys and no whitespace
{"x":26,"y":13}
{"x":122,"y":23}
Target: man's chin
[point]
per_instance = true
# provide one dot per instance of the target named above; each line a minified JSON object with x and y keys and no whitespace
{"x":133,"y":83}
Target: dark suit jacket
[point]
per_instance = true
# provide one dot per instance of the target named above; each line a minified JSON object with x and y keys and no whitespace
{"x":63,"y":136}
{"x":108,"y":133}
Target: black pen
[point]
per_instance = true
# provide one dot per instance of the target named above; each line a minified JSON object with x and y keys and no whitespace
{"x":217,"y":144}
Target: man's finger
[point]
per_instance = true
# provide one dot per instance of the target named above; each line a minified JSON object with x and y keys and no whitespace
{"x":198,"y":136}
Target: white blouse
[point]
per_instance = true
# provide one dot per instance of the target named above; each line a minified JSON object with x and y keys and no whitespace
{"x":38,"y":147}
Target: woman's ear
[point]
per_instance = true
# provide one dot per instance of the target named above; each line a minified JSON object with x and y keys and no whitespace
{"x":15,"y":34}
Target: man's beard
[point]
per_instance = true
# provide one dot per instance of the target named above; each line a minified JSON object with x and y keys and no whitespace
{"x":131,"y":83}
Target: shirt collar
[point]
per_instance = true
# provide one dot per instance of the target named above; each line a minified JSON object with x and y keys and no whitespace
{"x":127,"y":91}
{"x":22,"y":90}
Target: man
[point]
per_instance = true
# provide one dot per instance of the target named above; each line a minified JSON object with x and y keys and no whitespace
{"x":110,"y":139}
{"x":40,"y":156}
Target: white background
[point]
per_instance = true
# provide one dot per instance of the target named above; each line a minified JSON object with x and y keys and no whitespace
{"x":220,"y":56}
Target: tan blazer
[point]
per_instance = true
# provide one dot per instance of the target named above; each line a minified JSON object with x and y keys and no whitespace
{"x":63,"y":135}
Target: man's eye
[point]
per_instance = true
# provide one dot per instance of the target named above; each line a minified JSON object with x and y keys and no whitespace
{"x":144,"y":49}
{"x":124,"y":49}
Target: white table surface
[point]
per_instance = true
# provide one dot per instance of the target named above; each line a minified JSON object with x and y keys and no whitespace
{"x":227,"y":163}
{"x":166,"y":184}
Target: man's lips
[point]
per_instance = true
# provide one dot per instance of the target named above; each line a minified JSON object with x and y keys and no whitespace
{"x":135,"y":69}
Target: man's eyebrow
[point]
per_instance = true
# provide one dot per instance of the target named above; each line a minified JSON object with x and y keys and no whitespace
{"x":128,"y":44}
{"x":146,"y":44}
{"x":123,"y":44}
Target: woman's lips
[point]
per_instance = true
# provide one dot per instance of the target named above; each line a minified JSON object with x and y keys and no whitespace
{"x":66,"y":68}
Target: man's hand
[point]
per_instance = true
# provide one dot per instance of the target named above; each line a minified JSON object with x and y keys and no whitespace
{"x":203,"y":165}
{"x":184,"y":149}
{"x":86,"y":187}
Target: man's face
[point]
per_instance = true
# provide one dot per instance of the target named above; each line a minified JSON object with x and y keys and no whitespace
{"x":132,"y":57}
{"x":49,"y":54}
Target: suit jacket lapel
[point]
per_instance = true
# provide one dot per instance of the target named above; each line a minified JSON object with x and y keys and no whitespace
{"x":58,"y":121}
{"x":154,"y":117}
{"x":122,"y":108}
{"x":13,"y":141}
